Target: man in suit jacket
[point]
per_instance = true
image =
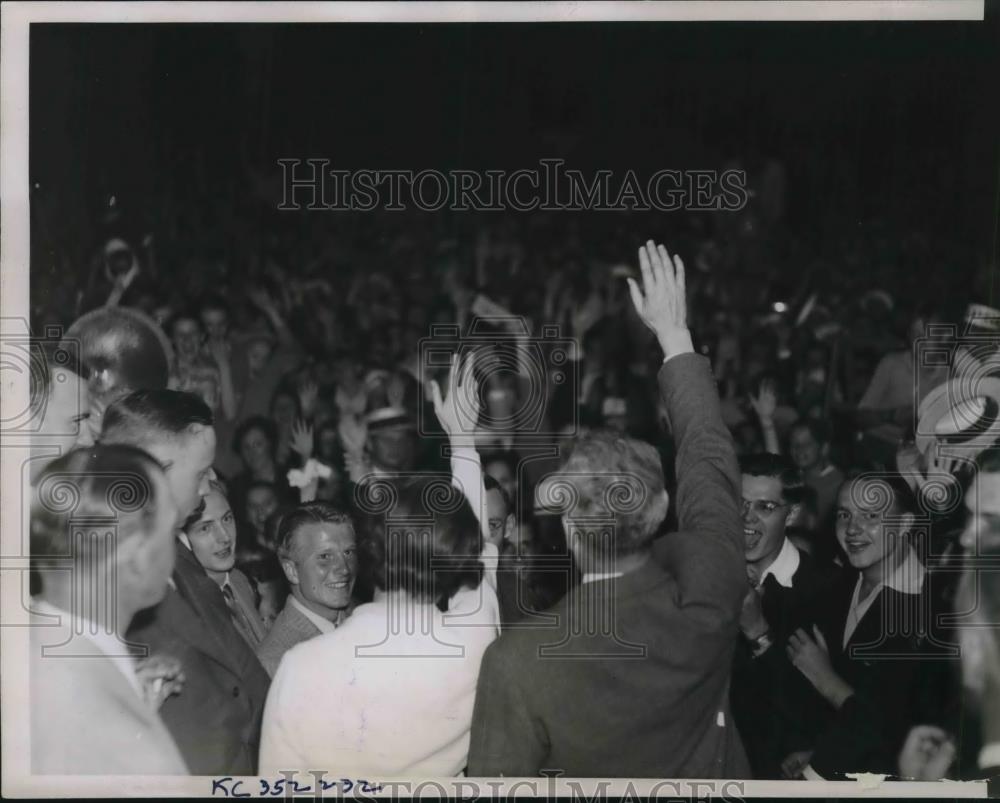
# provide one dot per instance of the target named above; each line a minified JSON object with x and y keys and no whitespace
{"x":212,"y":540}
{"x":634,"y":679}
{"x":768,"y":693}
{"x":90,"y":713}
{"x":216,"y":718}
{"x":316,"y":545}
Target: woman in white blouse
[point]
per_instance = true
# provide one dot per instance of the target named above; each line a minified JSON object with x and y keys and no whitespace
{"x":390,"y":693}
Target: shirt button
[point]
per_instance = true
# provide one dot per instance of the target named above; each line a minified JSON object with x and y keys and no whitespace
{"x":236,"y":691}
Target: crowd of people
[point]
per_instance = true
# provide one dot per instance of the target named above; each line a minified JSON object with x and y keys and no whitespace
{"x":398,"y":517}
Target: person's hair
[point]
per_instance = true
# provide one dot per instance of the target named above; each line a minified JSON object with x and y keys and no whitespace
{"x":614,"y":477}
{"x":122,"y":350}
{"x":506,"y":457}
{"x":289,"y":521}
{"x":491,"y":484}
{"x":144,"y":416}
{"x":182,"y":315}
{"x":427,"y":542}
{"x":46,"y":356}
{"x":887,"y":486}
{"x":265,"y":425}
{"x":213,"y":302}
{"x":765,"y":464}
{"x":819,"y":430}
{"x":110,"y":486}
{"x":288,"y":391}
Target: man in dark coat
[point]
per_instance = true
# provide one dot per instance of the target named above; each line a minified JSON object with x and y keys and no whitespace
{"x":634,"y":679}
{"x":215,"y":720}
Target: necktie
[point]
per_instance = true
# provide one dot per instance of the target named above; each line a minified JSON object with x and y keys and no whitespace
{"x":239,"y":617}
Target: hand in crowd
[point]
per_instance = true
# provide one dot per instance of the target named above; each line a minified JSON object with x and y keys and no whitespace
{"x":811,"y":657}
{"x":353,"y":434}
{"x":765,"y":402}
{"x":302,"y":439}
{"x":458,"y":412}
{"x":661,"y":303}
{"x":160,"y":676}
{"x":927,"y":754}
{"x":795,"y":763}
{"x":308,"y":396}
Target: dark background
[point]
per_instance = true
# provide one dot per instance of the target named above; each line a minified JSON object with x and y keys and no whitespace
{"x":895,"y":120}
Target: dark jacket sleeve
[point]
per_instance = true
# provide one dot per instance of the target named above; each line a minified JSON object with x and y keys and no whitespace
{"x":506,"y":740}
{"x":706,"y":555}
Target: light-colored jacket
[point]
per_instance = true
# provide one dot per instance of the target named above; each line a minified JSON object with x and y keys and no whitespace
{"x":87,"y":718}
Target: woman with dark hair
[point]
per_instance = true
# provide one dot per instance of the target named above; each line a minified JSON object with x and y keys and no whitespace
{"x":255,"y":441}
{"x":390,"y":692}
{"x":875,"y":653}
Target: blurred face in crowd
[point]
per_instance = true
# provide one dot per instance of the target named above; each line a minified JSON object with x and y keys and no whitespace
{"x":498,"y":516}
{"x":213,"y":536}
{"x":765,"y":516}
{"x":208,"y":389}
{"x":328,"y":444}
{"x":145,"y":578}
{"x":392,"y":448}
{"x":64,"y":421}
{"x":261,"y":503}
{"x":256,"y":449}
{"x":869,"y":537}
{"x":258,"y":353}
{"x":500,"y":471}
{"x":187,"y":460}
{"x":806,"y":451}
{"x":284,"y":411}
{"x":322,"y":566}
{"x":216,"y":323}
{"x":187,"y":338}
{"x":982,"y":504}
{"x":501,"y":402}
{"x":977,"y":591}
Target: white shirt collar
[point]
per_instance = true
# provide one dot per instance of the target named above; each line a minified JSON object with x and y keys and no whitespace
{"x":107,"y":643}
{"x":323,"y":625}
{"x":784,"y":566}
{"x":907,"y":578}
{"x":593,"y":578}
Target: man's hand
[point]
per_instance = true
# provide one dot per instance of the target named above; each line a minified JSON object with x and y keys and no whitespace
{"x":353,"y":434}
{"x":794,"y":763}
{"x":661,"y":304}
{"x":812,"y":658}
{"x":160,"y":677}
{"x":308,"y":395}
{"x":766,"y":401}
{"x":927,"y":754}
{"x":302,"y":439}
{"x":459,"y":412}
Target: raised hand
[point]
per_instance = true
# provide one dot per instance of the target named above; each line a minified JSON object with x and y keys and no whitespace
{"x":459,"y":412}
{"x":302,"y":439}
{"x":308,"y":394}
{"x":766,"y":401}
{"x":353,"y":434}
{"x":261,"y":299}
{"x":661,"y":303}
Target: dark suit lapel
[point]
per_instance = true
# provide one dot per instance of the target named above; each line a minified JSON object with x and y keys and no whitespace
{"x":205,"y":598}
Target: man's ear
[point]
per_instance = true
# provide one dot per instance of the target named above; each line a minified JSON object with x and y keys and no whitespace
{"x":509,"y":524}
{"x":132,"y":559}
{"x":792,"y":517}
{"x":291,"y":571}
